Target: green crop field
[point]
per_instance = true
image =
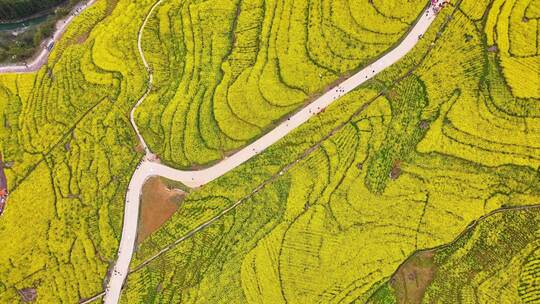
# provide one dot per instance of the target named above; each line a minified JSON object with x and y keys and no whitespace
{"x":404,"y":163}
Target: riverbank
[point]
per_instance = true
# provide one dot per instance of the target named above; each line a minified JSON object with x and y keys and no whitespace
{"x":33,"y":16}
{"x":42,"y":53}
{"x":25,"y":10}
{"x":21,"y":39}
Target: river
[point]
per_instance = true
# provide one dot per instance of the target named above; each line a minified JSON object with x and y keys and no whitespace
{"x":24,"y":24}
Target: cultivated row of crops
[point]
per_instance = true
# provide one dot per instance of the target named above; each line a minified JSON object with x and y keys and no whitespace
{"x":406,"y":162}
{"x":226,"y":71}
{"x":485,"y":116}
{"x":70,"y":150}
{"x":513,"y":27}
{"x":495,"y":262}
{"x":498,"y":261}
{"x":433,"y":150}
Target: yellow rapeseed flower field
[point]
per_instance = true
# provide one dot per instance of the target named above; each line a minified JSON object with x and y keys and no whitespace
{"x":406,"y":162}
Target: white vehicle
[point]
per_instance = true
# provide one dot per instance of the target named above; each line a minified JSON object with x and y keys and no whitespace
{"x":50,"y":46}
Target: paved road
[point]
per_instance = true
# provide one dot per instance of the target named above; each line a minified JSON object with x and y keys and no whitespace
{"x":148,"y":168}
{"x":43,"y":55}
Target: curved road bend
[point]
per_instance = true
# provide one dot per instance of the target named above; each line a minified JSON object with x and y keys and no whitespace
{"x":198,"y":178}
{"x":42,"y":57}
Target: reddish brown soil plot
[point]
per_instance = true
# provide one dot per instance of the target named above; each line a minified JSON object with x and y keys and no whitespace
{"x":158,"y":204}
{"x":413,"y":277}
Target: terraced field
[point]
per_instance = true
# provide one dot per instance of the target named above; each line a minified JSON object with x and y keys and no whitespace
{"x":496,"y":262}
{"x":70,"y":149}
{"x":501,"y":257}
{"x":492,"y":120}
{"x":226,"y":71}
{"x":402,"y":164}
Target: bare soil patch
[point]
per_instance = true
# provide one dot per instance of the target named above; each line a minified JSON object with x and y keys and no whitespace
{"x":396,"y":170}
{"x":413,"y":277}
{"x":111,"y":5}
{"x":159,"y":203}
{"x":82,"y":38}
{"x":28,"y":294}
{"x":139,"y":148}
